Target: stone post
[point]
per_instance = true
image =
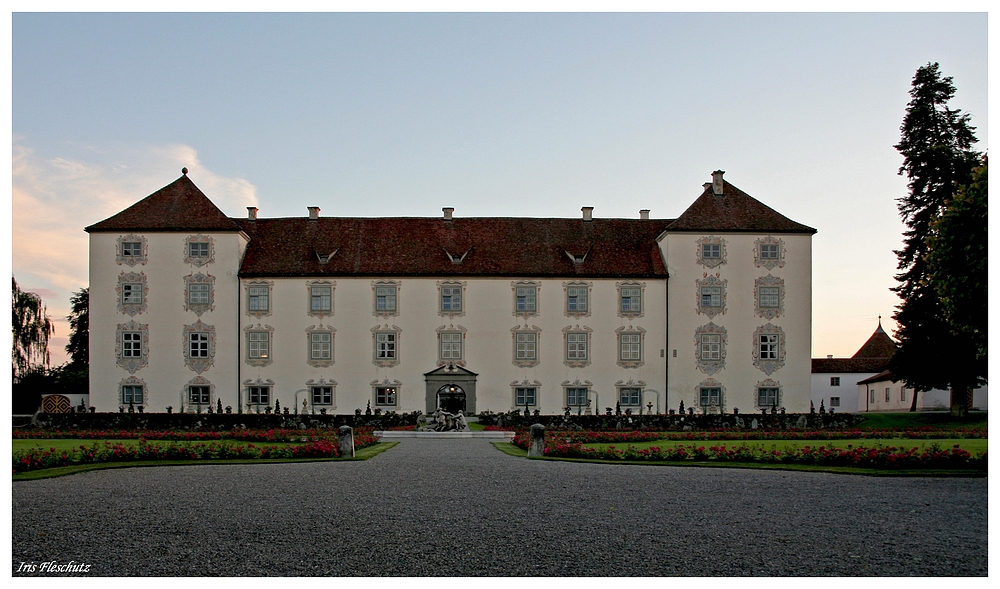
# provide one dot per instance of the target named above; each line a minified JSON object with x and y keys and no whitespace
{"x":346,"y":438}
{"x":537,"y":447}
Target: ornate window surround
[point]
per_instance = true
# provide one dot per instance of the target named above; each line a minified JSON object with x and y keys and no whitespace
{"x":710,"y":281}
{"x":257,"y":383}
{"x":332,"y":285}
{"x":630,"y":363}
{"x":576,"y":384}
{"x":525,"y":384}
{"x":386,"y":383}
{"x":769,"y":281}
{"x":142,"y":258}
{"x":450,"y":329}
{"x":320,"y":362}
{"x":133,"y":381}
{"x":525,"y":362}
{"x":451,"y":313}
{"x":270,"y":344}
{"x":376,"y":284}
{"x":535,"y":284}
{"x":199,"y":261}
{"x":630,"y":384}
{"x":132,"y":363}
{"x":711,"y":262}
{"x":139,"y":278}
{"x":576,"y":362}
{"x":270,"y":297}
{"x":710,"y":383}
{"x":709,"y":366}
{"x":642,"y":298}
{"x":199,"y":278}
{"x":767,"y":383}
{"x":385,"y":362}
{"x":768,"y":366}
{"x":769,"y":263}
{"x":577,"y":284}
{"x":199,"y":364}
{"x":322,"y":382}
{"x":198,"y":381}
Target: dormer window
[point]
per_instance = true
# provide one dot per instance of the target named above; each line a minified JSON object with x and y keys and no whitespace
{"x":324,"y":258}
{"x":455,"y":258}
{"x":577,"y":258}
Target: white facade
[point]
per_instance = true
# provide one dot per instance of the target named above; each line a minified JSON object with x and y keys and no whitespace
{"x":890,"y":396}
{"x":841,"y":397}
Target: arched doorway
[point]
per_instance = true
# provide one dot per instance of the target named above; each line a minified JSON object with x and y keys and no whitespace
{"x":451,"y":398}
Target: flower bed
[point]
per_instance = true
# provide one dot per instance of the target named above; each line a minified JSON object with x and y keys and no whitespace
{"x":246,"y":435}
{"x":613,"y":437}
{"x":328,"y":447}
{"x":878,"y":456}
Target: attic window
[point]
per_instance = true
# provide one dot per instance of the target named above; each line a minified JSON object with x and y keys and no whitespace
{"x":456,"y":259}
{"x":577,"y":258}
{"x":324,"y":258}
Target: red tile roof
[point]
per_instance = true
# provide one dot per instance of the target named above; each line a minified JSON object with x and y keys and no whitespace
{"x":407,"y":246}
{"x":885,"y":375}
{"x":848,"y":365}
{"x":734,"y":211}
{"x":178,"y":206}
{"x":879,"y":345}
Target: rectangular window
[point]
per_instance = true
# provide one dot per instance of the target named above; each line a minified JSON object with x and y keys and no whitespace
{"x":576,"y":346}
{"x":576,"y":298}
{"x":260,"y":344}
{"x":198,"y":249}
{"x":711,"y":346}
{"x":451,"y":346}
{"x":131,"y":345}
{"x":525,"y":346}
{"x":199,"y":345}
{"x":576,"y":397}
{"x":131,"y":394}
{"x":525,"y":397}
{"x":834,"y":401}
{"x":260,"y":395}
{"x":259,"y":298}
{"x":198,"y":395}
{"x":834,"y":381}
{"x":198,"y":293}
{"x":630,"y":396}
{"x":385,"y":298}
{"x":385,"y":396}
{"x":902,"y":393}
{"x":525,"y":302}
{"x":451,"y":298}
{"x":711,"y":297}
{"x":631,"y":299}
{"x":131,"y":294}
{"x":711,"y":251}
{"x":886,"y":394}
{"x":769,"y":347}
{"x":769,"y":297}
{"x":769,"y":251}
{"x":872,"y":395}
{"x":131,"y":249}
{"x":711,"y":397}
{"x":320,"y":346}
{"x":320,"y":298}
{"x":767,"y":397}
{"x":385,"y":345}
{"x":322,"y":395}
{"x":631,"y":346}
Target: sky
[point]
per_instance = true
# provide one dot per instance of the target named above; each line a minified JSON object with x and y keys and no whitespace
{"x":494,"y":114}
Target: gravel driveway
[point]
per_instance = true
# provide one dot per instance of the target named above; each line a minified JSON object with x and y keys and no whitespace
{"x":460,"y":507}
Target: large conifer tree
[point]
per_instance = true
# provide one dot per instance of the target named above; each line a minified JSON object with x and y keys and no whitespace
{"x":938,"y":159}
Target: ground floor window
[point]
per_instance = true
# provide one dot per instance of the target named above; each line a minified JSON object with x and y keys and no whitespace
{"x":525,"y":396}
{"x":902,"y":393}
{"x":576,"y":397}
{"x":385,"y":396}
{"x":711,"y":396}
{"x":131,"y":394}
{"x":322,"y":395}
{"x":198,"y":395}
{"x":630,"y":396}
{"x":767,"y":397}
{"x":886,"y":394}
{"x":834,"y":401}
{"x":260,"y":395}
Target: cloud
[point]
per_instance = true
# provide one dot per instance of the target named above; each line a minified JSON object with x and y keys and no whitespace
{"x":56,"y":195}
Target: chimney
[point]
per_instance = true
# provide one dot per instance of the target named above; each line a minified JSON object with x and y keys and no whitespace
{"x":717,"y":182}
{"x":644,"y":214}
{"x":313,"y":213}
{"x":252,"y":213}
{"x":829,"y":356}
{"x":447,"y":212}
{"x":588,"y":213}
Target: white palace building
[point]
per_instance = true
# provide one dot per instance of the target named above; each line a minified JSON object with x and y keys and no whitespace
{"x":189,"y":307}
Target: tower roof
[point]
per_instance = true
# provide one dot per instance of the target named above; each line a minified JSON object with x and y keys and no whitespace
{"x":736,"y":211}
{"x":879,"y":345}
{"x":178,"y":206}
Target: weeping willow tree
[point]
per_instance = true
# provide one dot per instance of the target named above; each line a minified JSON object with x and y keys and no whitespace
{"x":30,"y":330}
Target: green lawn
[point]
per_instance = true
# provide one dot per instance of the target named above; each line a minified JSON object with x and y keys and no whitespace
{"x":974,"y":446}
{"x":942,"y":420}
{"x":61,"y":444}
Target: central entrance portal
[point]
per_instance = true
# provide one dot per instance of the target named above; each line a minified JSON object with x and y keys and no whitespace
{"x":451,"y":398}
{"x":452,"y":388}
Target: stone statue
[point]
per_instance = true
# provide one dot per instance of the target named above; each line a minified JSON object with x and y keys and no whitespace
{"x":445,"y":422}
{"x":460,"y":423}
